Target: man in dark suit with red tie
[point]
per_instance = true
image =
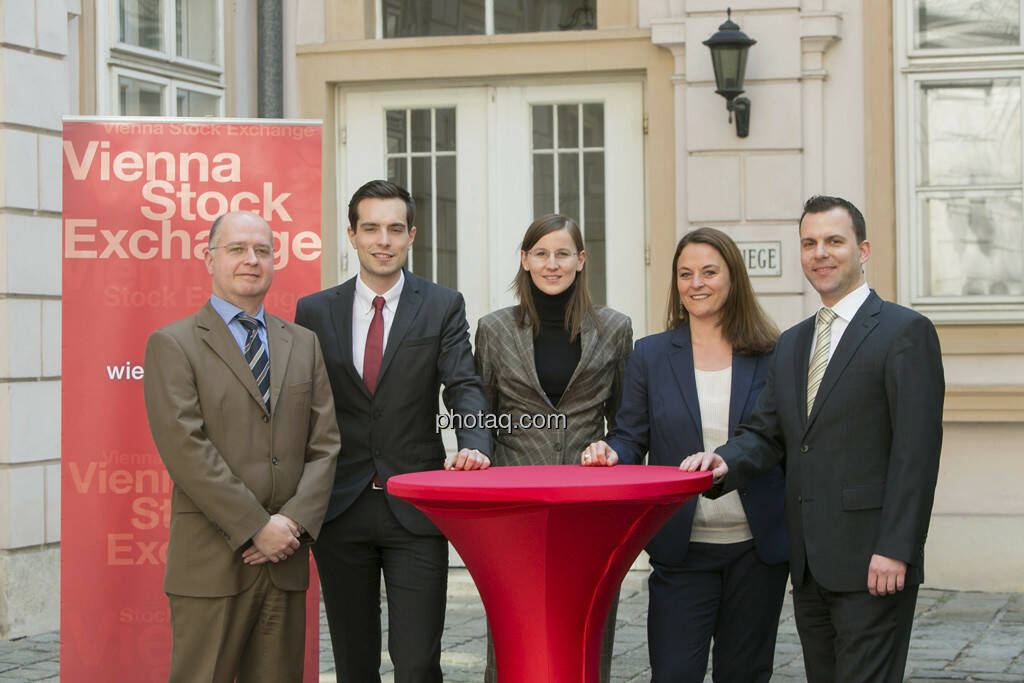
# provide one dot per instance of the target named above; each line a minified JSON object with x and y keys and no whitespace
{"x":852,"y":409}
{"x":390,"y":339}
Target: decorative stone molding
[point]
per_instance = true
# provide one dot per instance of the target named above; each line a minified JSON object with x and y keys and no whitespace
{"x":670,"y":33}
{"x":818,"y":32}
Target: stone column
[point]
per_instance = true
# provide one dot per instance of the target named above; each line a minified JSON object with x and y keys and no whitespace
{"x":818,"y":32}
{"x":670,"y":33}
{"x":34,"y":93}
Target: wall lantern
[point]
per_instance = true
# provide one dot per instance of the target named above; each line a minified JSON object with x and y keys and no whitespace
{"x":729,"y":57}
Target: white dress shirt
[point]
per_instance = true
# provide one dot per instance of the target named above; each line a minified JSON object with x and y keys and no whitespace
{"x":362,"y":316}
{"x":844,"y":309}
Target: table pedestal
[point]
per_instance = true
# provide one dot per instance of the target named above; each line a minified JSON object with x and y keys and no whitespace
{"x":547,"y":572}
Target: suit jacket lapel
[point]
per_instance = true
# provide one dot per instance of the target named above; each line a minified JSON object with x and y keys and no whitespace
{"x":409,"y":304}
{"x":864,"y":321}
{"x":523,"y":336}
{"x":588,"y":347}
{"x":680,"y":359}
{"x":341,"y":316}
{"x":801,"y":361}
{"x":742,"y":379}
{"x":218,"y":337}
{"x":280,"y":341}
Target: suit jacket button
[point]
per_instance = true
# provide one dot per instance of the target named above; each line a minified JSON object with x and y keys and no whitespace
{"x":804,"y":448}
{"x":273,"y":460}
{"x":266,"y":418}
{"x":799,"y":499}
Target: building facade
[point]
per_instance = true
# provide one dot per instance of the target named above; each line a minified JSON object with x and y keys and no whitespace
{"x":495,"y":111}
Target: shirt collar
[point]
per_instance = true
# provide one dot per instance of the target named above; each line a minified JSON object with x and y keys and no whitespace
{"x":365,"y":295}
{"x":228,"y":311}
{"x":848,"y":306}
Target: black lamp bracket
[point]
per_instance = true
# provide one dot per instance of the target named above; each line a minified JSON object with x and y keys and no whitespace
{"x":740,"y":105}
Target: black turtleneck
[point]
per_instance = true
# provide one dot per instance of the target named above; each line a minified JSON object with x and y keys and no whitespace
{"x":554,"y":355}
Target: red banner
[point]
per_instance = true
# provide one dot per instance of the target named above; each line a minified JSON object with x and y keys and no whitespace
{"x":139,"y":197}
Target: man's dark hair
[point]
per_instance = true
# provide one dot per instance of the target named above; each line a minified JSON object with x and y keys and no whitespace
{"x":380,"y":189}
{"x":820,"y":203}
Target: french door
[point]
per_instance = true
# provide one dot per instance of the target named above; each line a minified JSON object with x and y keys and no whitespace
{"x":482,"y":162}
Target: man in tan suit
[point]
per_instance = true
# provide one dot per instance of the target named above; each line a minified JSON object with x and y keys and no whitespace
{"x":241,"y":411}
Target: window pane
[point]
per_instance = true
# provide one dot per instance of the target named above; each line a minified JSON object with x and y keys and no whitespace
{"x":543,"y":137}
{"x":958,"y":23}
{"x":139,"y":23}
{"x":594,"y":224}
{"x":192,"y":103}
{"x":568,"y":126}
{"x":970,"y":132}
{"x":543,"y":184}
{"x":397,"y":172}
{"x":523,"y":16}
{"x":975,"y":245}
{"x":569,"y":184}
{"x":593,"y":125}
{"x":139,"y":98}
{"x":445,"y":127}
{"x":403,"y":18}
{"x":447,"y":241}
{"x":196,"y":31}
{"x":423,"y":246}
{"x":420,"y":130}
{"x":395,"y":123}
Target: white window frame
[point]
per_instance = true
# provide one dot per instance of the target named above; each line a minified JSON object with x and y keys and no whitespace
{"x":115,"y":59}
{"x":488,"y":19}
{"x":911,"y":68}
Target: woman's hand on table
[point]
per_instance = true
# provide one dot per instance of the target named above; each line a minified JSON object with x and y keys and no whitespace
{"x":705,"y":461}
{"x":598,"y":454}
{"x":467,"y":459}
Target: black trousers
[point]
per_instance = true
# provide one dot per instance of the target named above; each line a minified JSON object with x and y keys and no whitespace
{"x":853,"y":637}
{"x":723,"y":592}
{"x":352,"y":552}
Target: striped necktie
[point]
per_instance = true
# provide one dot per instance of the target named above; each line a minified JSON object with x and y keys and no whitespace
{"x":256,"y":356}
{"x":821,"y":348}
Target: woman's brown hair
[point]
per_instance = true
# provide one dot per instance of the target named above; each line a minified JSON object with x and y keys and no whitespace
{"x":744,"y":323}
{"x":580,"y":305}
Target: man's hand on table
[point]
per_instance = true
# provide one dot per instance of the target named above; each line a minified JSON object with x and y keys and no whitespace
{"x":598,"y":454}
{"x":705,"y":461}
{"x":467,"y":459}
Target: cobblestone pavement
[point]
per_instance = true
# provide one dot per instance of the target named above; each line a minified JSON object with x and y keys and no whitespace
{"x":958,"y":636}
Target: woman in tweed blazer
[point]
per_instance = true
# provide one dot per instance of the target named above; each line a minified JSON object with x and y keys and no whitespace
{"x":554,"y":353}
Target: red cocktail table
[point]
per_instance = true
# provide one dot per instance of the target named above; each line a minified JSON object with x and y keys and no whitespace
{"x":548,"y":546}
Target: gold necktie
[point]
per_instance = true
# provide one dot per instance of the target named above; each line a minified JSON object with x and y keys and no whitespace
{"x":819,"y":362}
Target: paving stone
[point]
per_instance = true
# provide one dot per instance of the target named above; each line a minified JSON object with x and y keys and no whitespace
{"x":957,"y":636}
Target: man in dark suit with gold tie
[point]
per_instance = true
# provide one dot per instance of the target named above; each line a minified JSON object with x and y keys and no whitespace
{"x":852,"y":409}
{"x":390,"y":340}
{"x":240,"y":409}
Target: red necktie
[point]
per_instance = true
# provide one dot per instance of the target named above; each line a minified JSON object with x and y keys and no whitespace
{"x":374,"y":353}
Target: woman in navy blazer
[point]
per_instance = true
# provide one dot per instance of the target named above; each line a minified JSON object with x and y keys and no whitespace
{"x":717,"y":571}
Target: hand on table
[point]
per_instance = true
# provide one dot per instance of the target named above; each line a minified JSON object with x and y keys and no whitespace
{"x":886,"y":575}
{"x":598,"y":454}
{"x":276,"y":541}
{"x":705,"y":461}
{"x":467,"y":459}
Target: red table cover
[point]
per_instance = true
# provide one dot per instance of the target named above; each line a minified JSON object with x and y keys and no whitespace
{"x":548,"y":547}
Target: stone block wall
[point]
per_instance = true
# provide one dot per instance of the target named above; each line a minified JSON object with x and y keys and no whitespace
{"x":34,"y":94}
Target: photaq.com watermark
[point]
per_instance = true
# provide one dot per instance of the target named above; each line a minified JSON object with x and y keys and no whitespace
{"x":504,"y":422}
